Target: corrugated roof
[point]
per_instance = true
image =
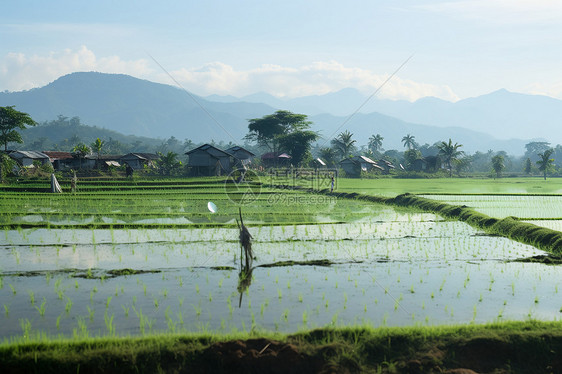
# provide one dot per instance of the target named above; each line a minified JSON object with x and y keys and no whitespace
{"x":29,"y":154}
{"x":237,"y":148}
{"x":142,"y":156}
{"x":214,"y":151}
{"x":56,"y":155}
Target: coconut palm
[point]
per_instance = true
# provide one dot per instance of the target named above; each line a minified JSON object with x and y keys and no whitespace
{"x":409,"y":141}
{"x":375,"y":142}
{"x":449,"y":152}
{"x":81,"y":151}
{"x":343,"y":143}
{"x":97,"y":146}
{"x":545,"y":163}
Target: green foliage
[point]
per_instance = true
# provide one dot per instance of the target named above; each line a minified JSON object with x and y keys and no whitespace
{"x":545,"y":163}
{"x":449,"y":152}
{"x":6,"y":166}
{"x":375,"y":143}
{"x":283,"y":131}
{"x":169,"y":164}
{"x":97,"y":146}
{"x":528,"y":166}
{"x":344,"y":144}
{"x":11,"y":121}
{"x":498,"y":164}
{"x":409,"y":142}
{"x":410,"y":156}
{"x":81,"y":150}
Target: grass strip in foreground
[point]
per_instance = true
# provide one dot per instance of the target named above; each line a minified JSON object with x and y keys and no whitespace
{"x":510,"y":347}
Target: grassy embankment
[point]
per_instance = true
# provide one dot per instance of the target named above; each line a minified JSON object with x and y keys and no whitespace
{"x":511,"y":227}
{"x":514,"y":347}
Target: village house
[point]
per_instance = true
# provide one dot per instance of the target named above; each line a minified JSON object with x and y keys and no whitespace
{"x":385,"y":165}
{"x":137,"y":161}
{"x":26,"y":158}
{"x":243,"y":155}
{"x":62,"y":160}
{"x":353,"y":166}
{"x":208,"y":160}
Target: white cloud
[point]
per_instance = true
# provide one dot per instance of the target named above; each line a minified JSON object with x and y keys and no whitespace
{"x":501,"y":11}
{"x":553,"y":89}
{"x":315,"y":79}
{"x":20,"y":72}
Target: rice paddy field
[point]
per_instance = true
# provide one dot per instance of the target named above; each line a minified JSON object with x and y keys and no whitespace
{"x":135,"y":258}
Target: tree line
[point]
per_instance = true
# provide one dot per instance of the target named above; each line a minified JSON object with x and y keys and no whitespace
{"x":284,"y":131}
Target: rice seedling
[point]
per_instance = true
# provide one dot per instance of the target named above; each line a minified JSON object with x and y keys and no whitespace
{"x":41,"y":309}
{"x":31,"y":297}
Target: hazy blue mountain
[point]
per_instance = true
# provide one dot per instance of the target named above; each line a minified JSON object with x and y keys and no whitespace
{"x":135,"y":107}
{"x":138,"y":107}
{"x":501,"y":114}
{"x":392,"y":129}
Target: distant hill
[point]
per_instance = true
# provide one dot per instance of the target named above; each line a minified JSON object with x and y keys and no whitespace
{"x":142,"y":108}
{"x":135,"y":107}
{"x":501,"y":114}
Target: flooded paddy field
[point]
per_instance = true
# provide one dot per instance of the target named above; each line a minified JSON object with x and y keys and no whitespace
{"x":170,"y":265}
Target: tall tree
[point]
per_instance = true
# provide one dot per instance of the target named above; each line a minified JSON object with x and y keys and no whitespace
{"x":297,"y":144}
{"x":498,"y":164}
{"x":545,"y":163}
{"x":449,"y":152}
{"x":375,"y":143}
{"x":11,"y":121}
{"x":97,"y":146}
{"x":283,"y":130}
{"x":267,"y":130}
{"x":344,"y":144}
{"x":409,"y":141}
{"x":534,"y":148}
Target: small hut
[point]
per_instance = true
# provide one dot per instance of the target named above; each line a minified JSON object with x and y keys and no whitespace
{"x":354,"y":165}
{"x":26,"y":158}
{"x":276,"y":159}
{"x":138,"y":161}
{"x":385,"y":165}
{"x":208,"y":160}
{"x":240,"y":154}
{"x":62,"y":160}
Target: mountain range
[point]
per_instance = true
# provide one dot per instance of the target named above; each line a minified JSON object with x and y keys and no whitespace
{"x":501,"y":120}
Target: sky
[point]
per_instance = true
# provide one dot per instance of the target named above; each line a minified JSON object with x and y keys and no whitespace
{"x":447,"y":49}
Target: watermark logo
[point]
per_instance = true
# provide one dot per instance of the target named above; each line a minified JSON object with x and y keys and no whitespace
{"x":243,"y":186}
{"x":314,"y":179}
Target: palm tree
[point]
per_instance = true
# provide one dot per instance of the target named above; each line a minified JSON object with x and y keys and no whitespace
{"x":97,"y":146}
{"x":409,"y":141}
{"x":81,"y":150}
{"x":343,"y":143}
{"x":375,"y":142}
{"x":545,"y":163}
{"x":449,"y":152}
